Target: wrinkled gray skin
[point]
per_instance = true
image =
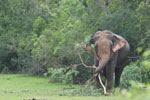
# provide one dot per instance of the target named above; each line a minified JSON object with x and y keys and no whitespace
{"x":111,"y":55}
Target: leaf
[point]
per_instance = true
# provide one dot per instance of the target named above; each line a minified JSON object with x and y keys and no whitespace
{"x":146,"y":53}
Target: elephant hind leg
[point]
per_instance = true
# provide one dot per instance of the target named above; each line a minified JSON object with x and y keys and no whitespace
{"x":118,"y":72}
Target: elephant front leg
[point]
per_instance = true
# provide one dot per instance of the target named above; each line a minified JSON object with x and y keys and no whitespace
{"x":118,"y":72}
{"x":109,"y":83}
{"x":109,"y":76}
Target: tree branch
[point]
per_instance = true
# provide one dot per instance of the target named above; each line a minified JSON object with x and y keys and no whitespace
{"x":105,"y":93}
{"x":84,"y":63}
{"x":137,"y":57}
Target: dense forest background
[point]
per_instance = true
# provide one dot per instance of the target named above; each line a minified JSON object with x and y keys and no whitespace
{"x":42,"y":37}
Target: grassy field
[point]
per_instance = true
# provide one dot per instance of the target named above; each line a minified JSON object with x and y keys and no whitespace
{"x":22,"y":87}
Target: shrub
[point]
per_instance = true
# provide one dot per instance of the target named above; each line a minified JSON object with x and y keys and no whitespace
{"x":62,"y":75}
{"x":138,"y":71}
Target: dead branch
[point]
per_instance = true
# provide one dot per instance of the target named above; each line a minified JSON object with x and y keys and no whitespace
{"x":84,"y":63}
{"x":137,"y":57}
{"x":70,"y":67}
{"x":105,"y":93}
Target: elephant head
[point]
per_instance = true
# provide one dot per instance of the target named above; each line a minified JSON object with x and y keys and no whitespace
{"x":106,"y":45}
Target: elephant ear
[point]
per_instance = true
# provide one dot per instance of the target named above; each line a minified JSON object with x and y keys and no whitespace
{"x":118,"y":43}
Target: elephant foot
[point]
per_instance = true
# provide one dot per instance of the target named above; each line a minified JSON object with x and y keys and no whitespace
{"x":108,"y":93}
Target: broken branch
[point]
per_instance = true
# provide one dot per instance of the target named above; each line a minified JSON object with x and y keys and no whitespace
{"x":105,"y":93}
{"x":84,"y":63}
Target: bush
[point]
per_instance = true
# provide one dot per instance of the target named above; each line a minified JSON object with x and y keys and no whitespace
{"x":131,"y":72}
{"x":62,"y":75}
{"x":138,"y":71}
{"x":137,"y":91}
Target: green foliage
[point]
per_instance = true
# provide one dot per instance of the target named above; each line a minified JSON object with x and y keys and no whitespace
{"x":61,"y":75}
{"x":138,"y":71}
{"x":132,"y":72}
{"x":135,"y":90}
{"x":39,"y":25}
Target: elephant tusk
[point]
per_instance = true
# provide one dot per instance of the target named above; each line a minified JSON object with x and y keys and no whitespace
{"x":105,"y":93}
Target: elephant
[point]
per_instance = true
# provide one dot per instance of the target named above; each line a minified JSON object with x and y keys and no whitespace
{"x":111,"y":52}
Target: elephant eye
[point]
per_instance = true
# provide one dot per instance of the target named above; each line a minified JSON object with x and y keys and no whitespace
{"x":92,"y":41}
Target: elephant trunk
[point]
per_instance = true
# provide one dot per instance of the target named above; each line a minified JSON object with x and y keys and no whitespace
{"x":102,"y":62}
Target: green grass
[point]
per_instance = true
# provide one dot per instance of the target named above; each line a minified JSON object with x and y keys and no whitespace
{"x":19,"y":87}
